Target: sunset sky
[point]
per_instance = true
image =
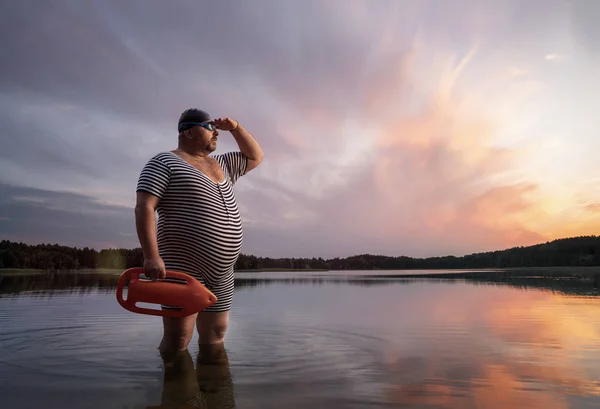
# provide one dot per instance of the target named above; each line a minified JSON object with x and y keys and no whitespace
{"x":416,"y":128}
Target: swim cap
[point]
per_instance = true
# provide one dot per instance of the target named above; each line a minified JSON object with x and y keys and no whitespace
{"x":191,"y":115}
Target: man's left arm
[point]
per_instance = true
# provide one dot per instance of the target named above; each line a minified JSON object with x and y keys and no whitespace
{"x":246,"y":142}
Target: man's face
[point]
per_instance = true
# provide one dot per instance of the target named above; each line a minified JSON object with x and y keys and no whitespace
{"x":205,"y":136}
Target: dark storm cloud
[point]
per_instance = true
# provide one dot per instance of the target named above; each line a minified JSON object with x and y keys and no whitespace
{"x":36,"y":215}
{"x":77,"y":73}
{"x":65,"y":50}
{"x":147,"y":59}
{"x":38,"y":147}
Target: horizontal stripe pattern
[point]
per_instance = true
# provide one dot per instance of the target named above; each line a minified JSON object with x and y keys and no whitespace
{"x":199,"y":228}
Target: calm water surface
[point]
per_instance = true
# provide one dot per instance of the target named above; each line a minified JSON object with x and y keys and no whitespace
{"x":309,"y":344}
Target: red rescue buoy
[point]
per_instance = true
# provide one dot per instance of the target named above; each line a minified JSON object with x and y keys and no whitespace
{"x":181,"y":292}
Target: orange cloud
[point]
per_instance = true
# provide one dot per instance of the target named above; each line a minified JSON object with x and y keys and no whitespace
{"x":438,"y":170}
{"x":415,"y":151}
{"x":594,"y":207}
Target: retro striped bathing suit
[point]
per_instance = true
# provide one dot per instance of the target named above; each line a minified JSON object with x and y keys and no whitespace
{"x":199,"y":228}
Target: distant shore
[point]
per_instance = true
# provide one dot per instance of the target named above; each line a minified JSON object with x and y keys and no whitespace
{"x":111,"y":271}
{"x":567,"y":280}
{"x":573,"y":252}
{"x":33,"y":271}
{"x":277,"y":270}
{"x":479,"y":272}
{"x":391,"y":273}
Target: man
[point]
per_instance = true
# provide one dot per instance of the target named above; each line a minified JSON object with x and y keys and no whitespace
{"x":199,"y":229}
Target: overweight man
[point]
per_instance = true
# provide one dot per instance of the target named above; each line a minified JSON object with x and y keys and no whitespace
{"x":199,"y":228}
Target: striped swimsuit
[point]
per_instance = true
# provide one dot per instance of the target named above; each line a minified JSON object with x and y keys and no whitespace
{"x":199,"y":229}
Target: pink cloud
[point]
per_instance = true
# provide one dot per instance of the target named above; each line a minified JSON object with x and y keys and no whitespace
{"x":431,"y":180}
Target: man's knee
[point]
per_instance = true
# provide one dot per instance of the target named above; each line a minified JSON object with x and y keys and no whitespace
{"x":219,"y":330}
{"x":212,"y":327}
{"x":210,"y":334}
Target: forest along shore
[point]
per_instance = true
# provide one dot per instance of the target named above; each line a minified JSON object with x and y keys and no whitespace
{"x":114,"y":271}
{"x":569,"y":263}
{"x":569,"y":252}
{"x":556,"y":272}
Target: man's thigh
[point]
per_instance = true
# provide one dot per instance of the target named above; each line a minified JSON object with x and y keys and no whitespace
{"x":179,"y":327}
{"x":212,"y":326}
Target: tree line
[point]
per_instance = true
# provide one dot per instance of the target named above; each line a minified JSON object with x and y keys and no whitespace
{"x":573,"y":251}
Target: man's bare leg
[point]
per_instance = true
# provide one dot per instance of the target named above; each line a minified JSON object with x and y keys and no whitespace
{"x":212,"y":326}
{"x":177,"y":333}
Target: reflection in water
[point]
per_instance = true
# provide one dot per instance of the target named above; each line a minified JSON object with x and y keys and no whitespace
{"x":208,"y":386}
{"x":483,"y":377}
{"x":309,"y":342}
{"x":565,"y":282}
{"x":515,"y":351}
{"x":44,"y":284}
{"x":430,"y":346}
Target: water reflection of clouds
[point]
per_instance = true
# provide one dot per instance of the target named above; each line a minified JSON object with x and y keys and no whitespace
{"x":523,"y":350}
{"x":446,"y":345}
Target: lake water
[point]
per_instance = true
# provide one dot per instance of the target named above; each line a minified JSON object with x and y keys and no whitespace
{"x":309,"y":342}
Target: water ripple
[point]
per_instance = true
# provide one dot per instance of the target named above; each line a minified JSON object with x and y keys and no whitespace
{"x":314,"y":347}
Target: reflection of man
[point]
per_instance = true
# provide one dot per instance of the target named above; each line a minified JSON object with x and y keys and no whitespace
{"x":199,"y":230}
{"x":209,"y":386}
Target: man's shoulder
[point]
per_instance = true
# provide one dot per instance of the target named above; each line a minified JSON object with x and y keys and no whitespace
{"x":164,"y":157}
{"x":161,"y":162}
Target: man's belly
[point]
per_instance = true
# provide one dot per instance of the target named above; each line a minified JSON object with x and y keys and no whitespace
{"x":209,"y":248}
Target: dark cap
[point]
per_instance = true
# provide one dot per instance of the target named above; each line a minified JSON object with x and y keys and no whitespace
{"x":189,"y":116}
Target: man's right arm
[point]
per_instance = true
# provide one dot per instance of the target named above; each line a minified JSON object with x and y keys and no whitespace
{"x":145,"y":223}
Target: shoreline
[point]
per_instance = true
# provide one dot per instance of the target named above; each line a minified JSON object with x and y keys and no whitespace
{"x":567,"y":280}
{"x":478,"y":272}
{"x":115,"y":271}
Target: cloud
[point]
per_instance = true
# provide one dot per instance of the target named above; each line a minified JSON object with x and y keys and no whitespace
{"x":36,"y":215}
{"x":516,"y":71}
{"x":594,"y":207}
{"x":554,"y":56}
{"x":428,"y":173}
{"x":583,"y":28}
{"x":387,"y":128}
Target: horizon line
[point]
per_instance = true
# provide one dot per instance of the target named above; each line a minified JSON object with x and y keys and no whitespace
{"x":313,"y":257}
